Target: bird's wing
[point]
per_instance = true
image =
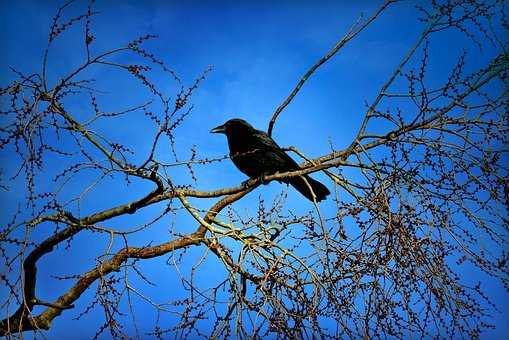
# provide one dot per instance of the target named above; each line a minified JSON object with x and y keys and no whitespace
{"x":267,"y":143}
{"x":265,"y":140}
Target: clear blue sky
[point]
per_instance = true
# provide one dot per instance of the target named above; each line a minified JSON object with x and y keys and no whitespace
{"x":258,"y":50}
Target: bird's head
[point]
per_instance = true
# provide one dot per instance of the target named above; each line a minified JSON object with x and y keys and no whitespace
{"x":233,"y":126}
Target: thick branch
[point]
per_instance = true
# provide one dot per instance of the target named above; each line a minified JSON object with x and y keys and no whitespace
{"x":22,"y":321}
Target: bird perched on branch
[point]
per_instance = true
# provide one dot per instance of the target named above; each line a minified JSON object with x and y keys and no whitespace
{"x":256,"y":154}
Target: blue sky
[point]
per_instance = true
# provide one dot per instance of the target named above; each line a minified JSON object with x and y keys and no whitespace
{"x":258,"y":50}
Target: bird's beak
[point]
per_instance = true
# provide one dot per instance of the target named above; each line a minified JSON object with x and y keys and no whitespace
{"x":218,"y":129}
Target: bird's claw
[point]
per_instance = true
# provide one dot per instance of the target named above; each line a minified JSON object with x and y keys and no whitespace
{"x":263,"y":180}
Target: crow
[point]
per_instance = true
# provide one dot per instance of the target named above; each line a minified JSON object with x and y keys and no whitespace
{"x":256,"y":154}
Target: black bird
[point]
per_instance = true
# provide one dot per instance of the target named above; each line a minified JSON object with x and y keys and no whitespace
{"x":256,"y":154}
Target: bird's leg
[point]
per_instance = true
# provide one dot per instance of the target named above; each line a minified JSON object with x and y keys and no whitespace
{"x":262,"y":178}
{"x":246,"y":183}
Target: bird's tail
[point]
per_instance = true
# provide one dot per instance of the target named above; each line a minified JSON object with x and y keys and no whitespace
{"x":308,"y":186}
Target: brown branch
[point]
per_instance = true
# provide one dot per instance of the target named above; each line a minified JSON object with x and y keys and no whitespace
{"x":22,"y":321}
{"x":29,"y":264}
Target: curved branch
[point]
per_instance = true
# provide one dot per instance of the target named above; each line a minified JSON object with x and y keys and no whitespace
{"x":22,"y":320}
{"x":352,"y":33}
